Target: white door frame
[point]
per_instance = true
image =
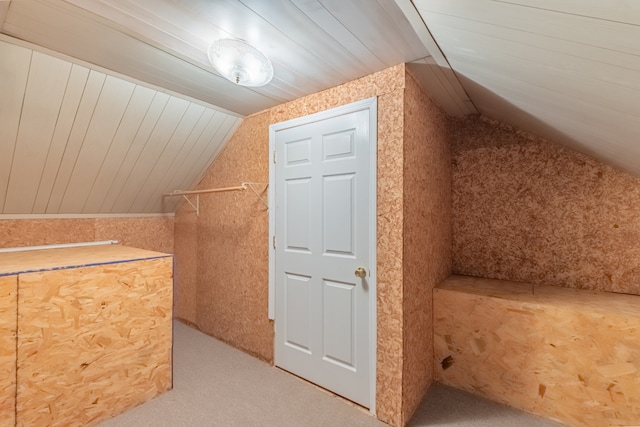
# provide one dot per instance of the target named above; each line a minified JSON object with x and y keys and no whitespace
{"x":369,"y":104}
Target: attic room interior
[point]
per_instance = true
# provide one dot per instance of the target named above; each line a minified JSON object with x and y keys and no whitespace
{"x":424,"y":194}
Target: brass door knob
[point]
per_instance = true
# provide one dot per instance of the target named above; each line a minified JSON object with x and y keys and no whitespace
{"x":361,"y":272}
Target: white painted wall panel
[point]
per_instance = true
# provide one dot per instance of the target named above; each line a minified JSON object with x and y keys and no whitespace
{"x":46,"y":86}
{"x":170,"y":179}
{"x":148,"y":190}
{"x":66,"y":119}
{"x":4,"y":7}
{"x":136,"y":147}
{"x":14,"y":71}
{"x":76,"y":138}
{"x":574,"y":77}
{"x":153,"y":148}
{"x":134,"y":115}
{"x":622,"y":11}
{"x":106,"y":119}
{"x":207,"y":149}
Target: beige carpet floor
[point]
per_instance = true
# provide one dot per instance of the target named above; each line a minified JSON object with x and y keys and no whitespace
{"x":217,"y":385}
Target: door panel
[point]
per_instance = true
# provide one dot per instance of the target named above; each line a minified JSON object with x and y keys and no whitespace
{"x":297,"y":320}
{"x":298,"y":214}
{"x":339,"y":311}
{"x":323,"y":217}
{"x":338,"y":215}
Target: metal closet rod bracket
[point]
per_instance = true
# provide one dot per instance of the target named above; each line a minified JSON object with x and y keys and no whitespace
{"x":196,"y":206}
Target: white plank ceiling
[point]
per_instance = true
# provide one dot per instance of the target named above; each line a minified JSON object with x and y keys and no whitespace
{"x":74,"y":140}
{"x":566,"y":70}
{"x":78,"y":137}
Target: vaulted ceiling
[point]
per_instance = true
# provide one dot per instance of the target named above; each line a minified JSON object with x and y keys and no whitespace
{"x":105,"y":105}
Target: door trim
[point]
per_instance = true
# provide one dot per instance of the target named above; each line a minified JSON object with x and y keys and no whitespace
{"x":369,"y":104}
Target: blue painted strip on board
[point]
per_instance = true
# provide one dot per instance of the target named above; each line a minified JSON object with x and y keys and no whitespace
{"x":69,"y":267}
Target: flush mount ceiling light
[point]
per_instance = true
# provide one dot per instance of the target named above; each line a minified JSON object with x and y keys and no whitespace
{"x":240,"y":62}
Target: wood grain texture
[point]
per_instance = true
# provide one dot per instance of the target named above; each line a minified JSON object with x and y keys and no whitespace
{"x":389,"y":253}
{"x":232,"y":245}
{"x":151,"y":233}
{"x":566,"y":354}
{"x":525,"y":209}
{"x":186,"y":267}
{"x":154,"y":233}
{"x":8,"y":327}
{"x":70,"y":257}
{"x":93,"y":341}
{"x":229,"y":239}
{"x":37,"y":232}
{"x":427,"y":235}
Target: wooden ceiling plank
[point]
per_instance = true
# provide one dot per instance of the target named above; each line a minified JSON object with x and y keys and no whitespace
{"x":85,"y":111}
{"x":14,"y":71}
{"x":309,"y":34}
{"x":79,"y":34}
{"x":218,"y":124}
{"x":179,"y":167}
{"x":593,"y":9}
{"x":135,"y":149}
{"x":149,"y":189}
{"x":153,"y":148}
{"x":132,"y":120}
{"x":574,"y":77}
{"x":376,"y":29}
{"x":4,"y":8}
{"x":43,"y":98}
{"x":431,"y":80}
{"x":210,"y":121}
{"x":434,"y":69}
{"x":536,"y":22}
{"x":330,"y":25}
{"x":584,"y":126}
{"x":107,"y":117}
{"x":449,"y":81}
{"x":231,"y":18}
{"x":571,"y":51}
{"x":209,"y":146}
{"x":160,"y":23}
{"x":73,"y":94}
{"x":217,"y":138}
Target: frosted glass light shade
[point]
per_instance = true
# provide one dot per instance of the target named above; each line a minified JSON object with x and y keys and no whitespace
{"x":240,"y":62}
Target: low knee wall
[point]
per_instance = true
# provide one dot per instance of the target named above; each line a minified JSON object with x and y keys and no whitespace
{"x":565,"y":354}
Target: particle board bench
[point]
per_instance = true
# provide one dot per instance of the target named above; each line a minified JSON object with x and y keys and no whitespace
{"x":85,"y":333}
{"x":565,"y":354}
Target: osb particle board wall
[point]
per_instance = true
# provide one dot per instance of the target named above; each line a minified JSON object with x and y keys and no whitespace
{"x":154,"y":233}
{"x":8,"y":330}
{"x":92,"y":341}
{"x":560,"y":353}
{"x":527,"y":210}
{"x":427,"y":235}
{"x":222,"y":256}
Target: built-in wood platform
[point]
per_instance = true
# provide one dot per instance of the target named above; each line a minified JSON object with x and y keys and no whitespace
{"x":85,"y":333}
{"x":566,"y":354}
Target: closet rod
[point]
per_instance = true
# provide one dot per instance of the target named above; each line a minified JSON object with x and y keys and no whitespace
{"x":196,"y":207}
{"x":212,"y":190}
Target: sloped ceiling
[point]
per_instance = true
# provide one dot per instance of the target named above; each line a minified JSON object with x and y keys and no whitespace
{"x":77,"y":138}
{"x":74,"y":140}
{"x":313,"y":45}
{"x":568,"y":71}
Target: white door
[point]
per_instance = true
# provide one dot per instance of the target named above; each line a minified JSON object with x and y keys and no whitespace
{"x":324,"y":224}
